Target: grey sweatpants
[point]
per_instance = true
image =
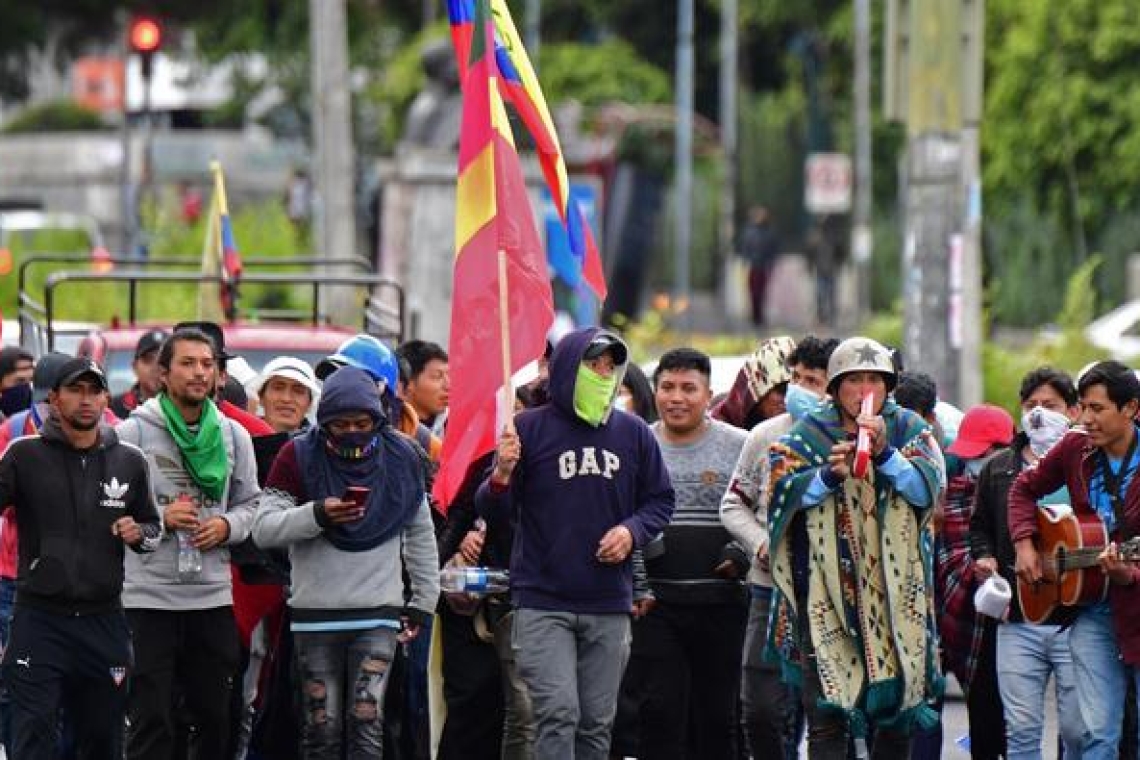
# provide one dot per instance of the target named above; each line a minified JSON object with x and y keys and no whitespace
{"x":572,"y":666}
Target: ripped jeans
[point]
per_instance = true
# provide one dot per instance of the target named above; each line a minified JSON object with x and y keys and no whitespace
{"x":343,"y":675}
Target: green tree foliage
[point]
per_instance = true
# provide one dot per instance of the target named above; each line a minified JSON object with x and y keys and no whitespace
{"x":30,"y":28}
{"x":56,"y":116}
{"x":604,"y":73}
{"x":1062,"y":109}
{"x":569,"y":71}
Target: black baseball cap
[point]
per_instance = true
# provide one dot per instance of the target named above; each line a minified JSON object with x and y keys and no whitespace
{"x":150,"y":341}
{"x":74,"y":370}
{"x":603,"y":342}
{"x":213,"y":331}
{"x":45,"y":373}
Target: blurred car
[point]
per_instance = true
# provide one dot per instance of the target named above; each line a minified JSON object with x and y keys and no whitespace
{"x":114,"y":348}
{"x":67,"y":339}
{"x":1118,"y":331}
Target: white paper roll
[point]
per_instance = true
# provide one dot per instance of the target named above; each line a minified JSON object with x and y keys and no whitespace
{"x":992,"y":597}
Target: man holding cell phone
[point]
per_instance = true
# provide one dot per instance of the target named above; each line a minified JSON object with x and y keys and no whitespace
{"x":347,"y":499}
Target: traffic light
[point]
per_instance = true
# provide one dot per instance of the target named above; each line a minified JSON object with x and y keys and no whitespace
{"x":145,"y":37}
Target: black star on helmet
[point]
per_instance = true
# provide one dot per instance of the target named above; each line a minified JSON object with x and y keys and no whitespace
{"x":868,"y":354}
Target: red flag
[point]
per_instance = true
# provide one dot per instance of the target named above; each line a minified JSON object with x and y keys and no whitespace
{"x":518,"y":83}
{"x":493,"y":220}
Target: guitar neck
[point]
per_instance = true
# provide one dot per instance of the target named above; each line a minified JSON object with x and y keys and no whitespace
{"x":1076,"y":559}
{"x":1089,"y":556}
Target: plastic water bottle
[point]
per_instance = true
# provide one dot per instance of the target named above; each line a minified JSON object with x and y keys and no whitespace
{"x":189,"y":558}
{"x":474,"y":580}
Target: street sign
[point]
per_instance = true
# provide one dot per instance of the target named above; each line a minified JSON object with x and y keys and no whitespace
{"x":827,"y":183}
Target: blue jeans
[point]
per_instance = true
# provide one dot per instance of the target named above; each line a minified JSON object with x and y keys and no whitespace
{"x":7,"y":599}
{"x":572,"y":666}
{"x":1026,"y":655}
{"x":1101,"y":685}
{"x":343,"y":677}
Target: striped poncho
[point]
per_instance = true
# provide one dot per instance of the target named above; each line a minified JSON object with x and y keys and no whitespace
{"x":865,"y":571}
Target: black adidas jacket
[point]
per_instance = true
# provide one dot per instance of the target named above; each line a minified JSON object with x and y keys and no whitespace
{"x":66,"y":501}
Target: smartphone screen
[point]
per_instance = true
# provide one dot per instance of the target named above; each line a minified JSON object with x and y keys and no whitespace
{"x":358,"y":495}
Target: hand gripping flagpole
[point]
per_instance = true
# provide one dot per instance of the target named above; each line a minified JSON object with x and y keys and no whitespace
{"x":508,"y":399}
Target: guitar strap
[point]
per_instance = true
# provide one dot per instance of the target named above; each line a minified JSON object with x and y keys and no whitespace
{"x":1114,"y":482}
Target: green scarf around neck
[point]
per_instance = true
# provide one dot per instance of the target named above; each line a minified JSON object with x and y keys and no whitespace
{"x":204,"y":452}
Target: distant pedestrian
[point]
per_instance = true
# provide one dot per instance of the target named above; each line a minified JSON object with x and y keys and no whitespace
{"x":760,"y":247}
{"x":828,"y":251}
{"x":299,"y":200}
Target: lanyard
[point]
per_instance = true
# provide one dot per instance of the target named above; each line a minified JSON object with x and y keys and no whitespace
{"x":1114,"y":481}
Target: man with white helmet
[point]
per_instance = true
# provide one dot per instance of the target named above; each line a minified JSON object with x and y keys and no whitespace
{"x":288,"y":390}
{"x":849,"y":566}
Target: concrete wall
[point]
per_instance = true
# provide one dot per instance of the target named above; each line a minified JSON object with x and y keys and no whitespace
{"x":81,"y":172}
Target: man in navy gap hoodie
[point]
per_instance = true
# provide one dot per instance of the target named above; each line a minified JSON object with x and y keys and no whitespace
{"x":585,"y":485}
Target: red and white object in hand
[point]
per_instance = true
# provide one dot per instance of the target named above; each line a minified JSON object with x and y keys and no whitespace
{"x":863,"y":442}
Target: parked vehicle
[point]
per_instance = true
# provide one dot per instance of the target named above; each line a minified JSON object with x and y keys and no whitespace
{"x":114,"y":348}
{"x":1118,"y":331}
{"x":306,"y":332}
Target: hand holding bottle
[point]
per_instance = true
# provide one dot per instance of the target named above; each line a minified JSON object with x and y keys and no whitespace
{"x":182,"y":514}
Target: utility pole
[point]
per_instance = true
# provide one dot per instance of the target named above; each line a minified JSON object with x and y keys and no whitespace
{"x":729,"y":143}
{"x":128,"y":198}
{"x":861,"y":239}
{"x":934,"y":66}
{"x":683,"y":159}
{"x":332,"y":141}
{"x":532,"y":23}
{"x":971,"y":389}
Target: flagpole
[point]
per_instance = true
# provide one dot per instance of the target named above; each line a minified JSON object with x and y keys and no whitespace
{"x":505,"y":342}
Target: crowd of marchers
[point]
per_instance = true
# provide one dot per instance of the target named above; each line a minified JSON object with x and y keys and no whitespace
{"x":229,"y":563}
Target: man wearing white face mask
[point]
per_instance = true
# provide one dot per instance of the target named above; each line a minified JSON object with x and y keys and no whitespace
{"x":771,"y":716}
{"x":1026,"y":653}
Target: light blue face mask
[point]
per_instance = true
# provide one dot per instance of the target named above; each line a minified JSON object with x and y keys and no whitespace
{"x":799,"y":401}
{"x":974,"y":467}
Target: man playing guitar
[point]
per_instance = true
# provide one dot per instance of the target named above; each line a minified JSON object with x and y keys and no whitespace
{"x":1097,"y":463}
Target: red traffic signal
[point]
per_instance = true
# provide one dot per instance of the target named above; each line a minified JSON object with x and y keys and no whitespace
{"x":145,"y":35}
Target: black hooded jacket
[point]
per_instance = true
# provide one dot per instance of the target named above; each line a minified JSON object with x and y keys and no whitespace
{"x":66,"y":501}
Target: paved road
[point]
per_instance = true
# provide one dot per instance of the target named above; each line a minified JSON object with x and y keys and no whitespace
{"x":955,"y":726}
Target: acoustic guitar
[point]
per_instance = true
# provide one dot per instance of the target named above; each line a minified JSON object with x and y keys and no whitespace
{"x":1069,"y":545}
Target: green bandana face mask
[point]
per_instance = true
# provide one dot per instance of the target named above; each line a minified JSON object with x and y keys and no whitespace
{"x":593,"y":395}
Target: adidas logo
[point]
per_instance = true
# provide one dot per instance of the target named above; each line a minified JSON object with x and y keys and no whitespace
{"x":114,"y":492}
